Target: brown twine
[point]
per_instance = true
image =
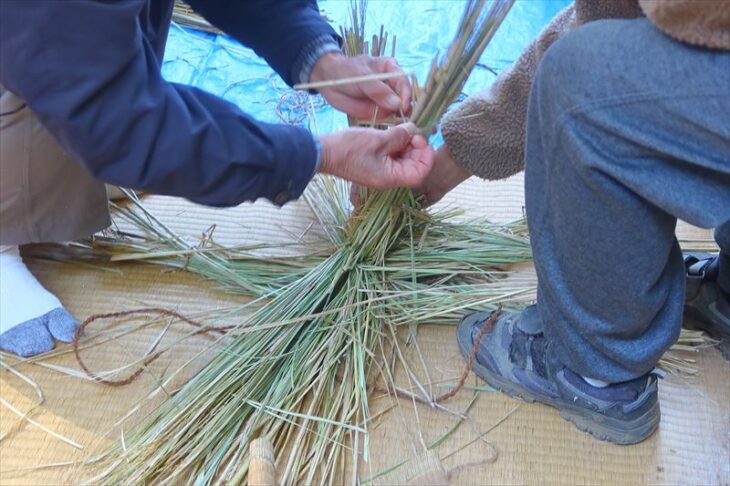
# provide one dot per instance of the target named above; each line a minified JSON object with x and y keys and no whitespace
{"x":222,"y":329}
{"x":472,"y":356}
{"x":467,"y":369}
{"x":149,"y":359}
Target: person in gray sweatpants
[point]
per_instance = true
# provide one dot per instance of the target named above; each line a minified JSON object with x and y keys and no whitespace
{"x":615,"y":153}
{"x":627,"y":130}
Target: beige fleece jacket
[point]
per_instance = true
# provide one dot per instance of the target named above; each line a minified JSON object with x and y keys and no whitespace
{"x":485,"y":134}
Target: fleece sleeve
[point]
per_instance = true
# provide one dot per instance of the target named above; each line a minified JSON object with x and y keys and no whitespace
{"x":486,"y":133}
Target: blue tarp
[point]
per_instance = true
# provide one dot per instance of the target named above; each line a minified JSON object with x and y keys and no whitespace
{"x":221,"y":66}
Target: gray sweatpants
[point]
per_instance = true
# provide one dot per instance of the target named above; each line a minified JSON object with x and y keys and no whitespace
{"x":628,"y":130}
{"x":45,"y":195}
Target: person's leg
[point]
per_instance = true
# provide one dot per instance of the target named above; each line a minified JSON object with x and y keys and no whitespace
{"x":45,"y":196}
{"x":627,"y":130}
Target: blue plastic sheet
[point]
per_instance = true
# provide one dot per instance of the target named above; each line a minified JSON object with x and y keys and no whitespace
{"x":223,"y":67}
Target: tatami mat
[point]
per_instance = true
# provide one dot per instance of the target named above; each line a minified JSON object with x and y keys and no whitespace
{"x":534,"y":445}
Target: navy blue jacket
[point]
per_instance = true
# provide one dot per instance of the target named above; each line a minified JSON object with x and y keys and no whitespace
{"x":90,"y":70}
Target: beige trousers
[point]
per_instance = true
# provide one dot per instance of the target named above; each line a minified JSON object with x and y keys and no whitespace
{"x":45,"y":194}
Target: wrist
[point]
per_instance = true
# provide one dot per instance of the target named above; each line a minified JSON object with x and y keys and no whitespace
{"x":326,"y":161}
{"x":310,"y":54}
{"x":324,"y":66}
{"x":456,"y":172}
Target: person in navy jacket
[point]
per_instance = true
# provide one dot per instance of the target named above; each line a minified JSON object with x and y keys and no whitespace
{"x":83,"y":103}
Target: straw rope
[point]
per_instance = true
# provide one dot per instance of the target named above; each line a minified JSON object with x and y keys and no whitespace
{"x":464,"y":375}
{"x":223,"y":329}
{"x":149,"y":359}
{"x":472,"y":356}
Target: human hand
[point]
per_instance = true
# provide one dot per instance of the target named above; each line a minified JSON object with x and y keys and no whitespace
{"x":379,"y":159}
{"x":367,"y":99}
{"x":445,"y":175}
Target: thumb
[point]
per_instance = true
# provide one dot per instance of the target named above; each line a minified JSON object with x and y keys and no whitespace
{"x":398,"y":138}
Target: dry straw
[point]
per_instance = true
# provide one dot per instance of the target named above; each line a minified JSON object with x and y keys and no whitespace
{"x":299,"y":369}
{"x":322,"y":329}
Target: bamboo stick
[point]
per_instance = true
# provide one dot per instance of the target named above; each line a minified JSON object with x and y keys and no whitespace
{"x":352,"y":80}
{"x":262,"y":469}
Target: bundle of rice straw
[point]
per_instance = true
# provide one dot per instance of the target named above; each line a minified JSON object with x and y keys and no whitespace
{"x":323,"y":327}
{"x":185,"y":16}
{"x":298,"y":370}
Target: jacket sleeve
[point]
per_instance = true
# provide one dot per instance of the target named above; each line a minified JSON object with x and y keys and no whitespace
{"x":85,"y":69}
{"x":486,"y":133}
{"x":283,"y":32}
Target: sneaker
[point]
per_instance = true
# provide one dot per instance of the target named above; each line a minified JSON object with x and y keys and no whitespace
{"x":705,"y":304}
{"x":515,"y":357}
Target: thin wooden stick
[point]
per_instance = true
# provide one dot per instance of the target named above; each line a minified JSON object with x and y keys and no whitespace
{"x":352,"y":80}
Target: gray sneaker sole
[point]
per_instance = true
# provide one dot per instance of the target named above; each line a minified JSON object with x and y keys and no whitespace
{"x":598,"y":425}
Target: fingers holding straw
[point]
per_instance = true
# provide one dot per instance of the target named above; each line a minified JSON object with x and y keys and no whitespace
{"x":378,"y":159}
